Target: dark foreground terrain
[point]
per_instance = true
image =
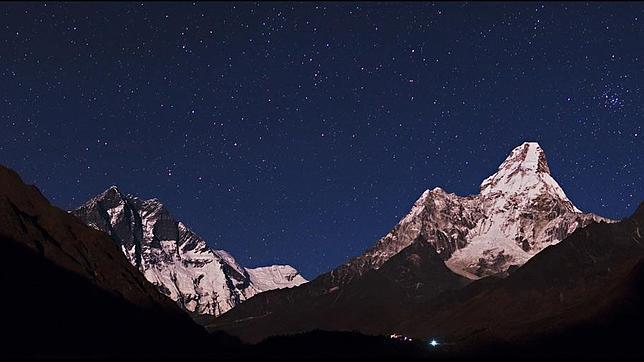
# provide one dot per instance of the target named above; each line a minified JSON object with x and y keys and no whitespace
{"x":580,"y":298}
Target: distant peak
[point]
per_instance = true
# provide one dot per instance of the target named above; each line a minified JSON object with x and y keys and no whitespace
{"x":530,"y":144}
{"x":281,"y":267}
{"x":111,"y":195}
{"x":110,"y":192}
{"x":113,"y":188}
{"x":428,"y":193}
{"x":528,"y":156}
{"x":525,"y":167}
{"x":153,"y":200}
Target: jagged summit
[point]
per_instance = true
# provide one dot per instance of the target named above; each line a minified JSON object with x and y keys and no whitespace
{"x":520,"y":210}
{"x":69,"y":292}
{"x":527,"y":158}
{"x":174,"y":258}
{"x":111,"y":193}
{"x":114,"y":193}
{"x":525,"y":172}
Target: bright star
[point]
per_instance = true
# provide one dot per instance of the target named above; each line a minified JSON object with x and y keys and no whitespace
{"x":433,"y":343}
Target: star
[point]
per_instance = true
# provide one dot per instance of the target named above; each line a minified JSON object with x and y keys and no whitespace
{"x":298,"y":108}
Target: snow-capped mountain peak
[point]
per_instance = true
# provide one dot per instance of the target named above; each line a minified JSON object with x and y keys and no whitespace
{"x":275,"y":277}
{"x":528,"y":156}
{"x":523,"y":168}
{"x":525,"y":174}
{"x":519,"y":211}
{"x":174,"y":258}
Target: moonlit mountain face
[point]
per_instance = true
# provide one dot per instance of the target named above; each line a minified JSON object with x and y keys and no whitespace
{"x":69,"y":291}
{"x":595,"y":274}
{"x":175,"y":259}
{"x":519,"y":211}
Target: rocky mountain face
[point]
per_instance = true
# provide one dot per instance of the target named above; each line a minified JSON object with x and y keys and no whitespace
{"x":68,"y":291}
{"x":371,"y":303}
{"x":519,"y":211}
{"x":580,"y":297}
{"x":177,"y":261}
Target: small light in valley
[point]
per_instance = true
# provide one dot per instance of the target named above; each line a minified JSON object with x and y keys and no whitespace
{"x":433,"y":343}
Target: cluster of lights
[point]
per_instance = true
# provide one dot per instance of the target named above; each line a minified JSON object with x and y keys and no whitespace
{"x":400,"y":337}
{"x":612,"y":100}
{"x":432,"y":342}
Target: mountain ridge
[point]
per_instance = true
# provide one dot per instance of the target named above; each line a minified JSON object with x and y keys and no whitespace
{"x":589,"y":283}
{"x":69,"y":291}
{"x":520,"y":212}
{"x":199,"y":278}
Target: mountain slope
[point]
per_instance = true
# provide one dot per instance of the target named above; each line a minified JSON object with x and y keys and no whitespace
{"x":520,"y":211}
{"x":585,"y":291}
{"x":175,"y":259}
{"x":69,"y":291}
{"x":371,"y":303}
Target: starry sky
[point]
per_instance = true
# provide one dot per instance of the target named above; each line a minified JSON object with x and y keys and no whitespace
{"x":300,"y":133}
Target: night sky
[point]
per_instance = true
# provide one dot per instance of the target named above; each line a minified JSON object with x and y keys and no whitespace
{"x":300,"y":133}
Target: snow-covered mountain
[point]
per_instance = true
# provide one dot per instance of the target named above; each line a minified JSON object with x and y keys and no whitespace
{"x":69,"y":292}
{"x":175,"y":259}
{"x":519,"y":211}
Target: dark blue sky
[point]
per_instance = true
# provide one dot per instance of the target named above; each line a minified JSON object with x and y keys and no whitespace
{"x":300,"y":133}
